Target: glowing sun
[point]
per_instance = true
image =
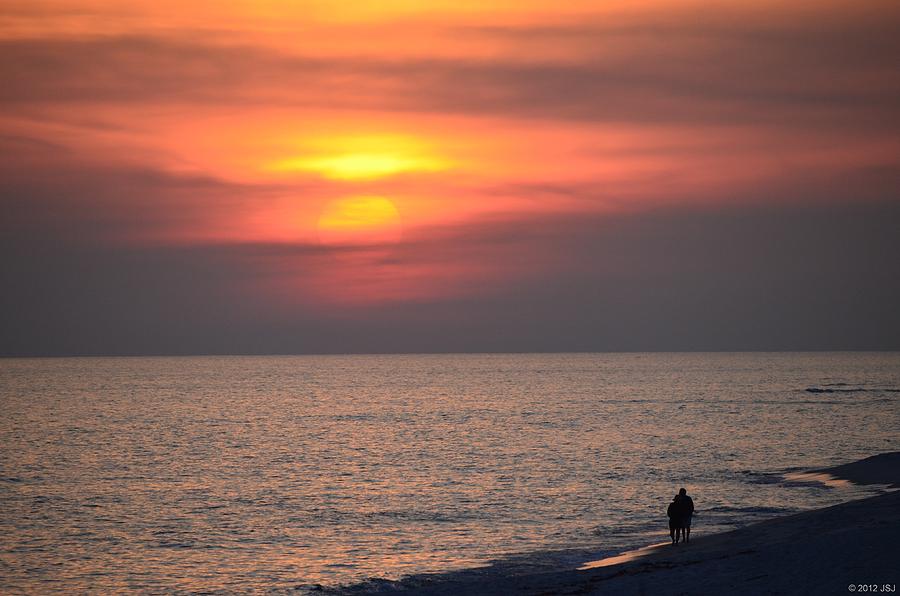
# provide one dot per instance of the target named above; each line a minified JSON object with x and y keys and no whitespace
{"x":359,"y":220}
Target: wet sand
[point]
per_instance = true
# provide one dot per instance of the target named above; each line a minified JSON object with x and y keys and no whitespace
{"x":815,"y":552}
{"x":878,"y":469}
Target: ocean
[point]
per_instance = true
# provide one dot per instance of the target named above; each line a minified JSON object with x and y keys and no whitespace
{"x":237,"y":474}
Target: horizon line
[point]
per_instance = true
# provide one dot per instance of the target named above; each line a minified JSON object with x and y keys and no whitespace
{"x":442,"y":353}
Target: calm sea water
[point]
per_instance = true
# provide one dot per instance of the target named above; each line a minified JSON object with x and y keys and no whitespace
{"x":273,"y":473}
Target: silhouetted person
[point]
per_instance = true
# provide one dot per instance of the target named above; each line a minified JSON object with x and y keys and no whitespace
{"x":684,"y":509}
{"x":674,"y":520}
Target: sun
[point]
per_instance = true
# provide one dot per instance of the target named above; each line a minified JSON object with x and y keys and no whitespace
{"x":359,"y":220}
{"x":363,"y":157}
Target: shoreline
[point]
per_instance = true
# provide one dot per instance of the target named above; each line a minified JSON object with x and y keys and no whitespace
{"x":818,"y":551}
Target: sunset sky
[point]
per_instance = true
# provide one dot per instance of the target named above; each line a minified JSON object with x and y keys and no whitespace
{"x":311,"y":176}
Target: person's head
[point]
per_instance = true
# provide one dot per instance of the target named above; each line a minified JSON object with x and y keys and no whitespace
{"x":682,"y":492}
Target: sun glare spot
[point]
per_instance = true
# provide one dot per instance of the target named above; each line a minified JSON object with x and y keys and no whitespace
{"x":359,"y":220}
{"x":363,"y":158}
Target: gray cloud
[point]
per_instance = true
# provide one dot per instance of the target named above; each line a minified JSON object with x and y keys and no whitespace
{"x":739,"y":278}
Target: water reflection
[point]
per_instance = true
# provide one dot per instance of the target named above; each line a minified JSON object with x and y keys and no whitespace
{"x":625,"y":557}
{"x":820,"y":477}
{"x":259,"y":474}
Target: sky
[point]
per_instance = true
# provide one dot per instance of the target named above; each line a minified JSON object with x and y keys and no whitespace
{"x":258,"y":177}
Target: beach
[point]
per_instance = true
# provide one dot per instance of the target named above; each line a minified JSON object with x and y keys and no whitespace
{"x":850,"y":547}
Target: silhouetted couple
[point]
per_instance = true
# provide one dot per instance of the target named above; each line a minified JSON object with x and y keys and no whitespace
{"x":680,"y":512}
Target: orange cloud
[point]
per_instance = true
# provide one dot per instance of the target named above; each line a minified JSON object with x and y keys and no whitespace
{"x":173,"y":124}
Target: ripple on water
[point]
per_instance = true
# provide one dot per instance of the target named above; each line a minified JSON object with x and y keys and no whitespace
{"x":243,"y":474}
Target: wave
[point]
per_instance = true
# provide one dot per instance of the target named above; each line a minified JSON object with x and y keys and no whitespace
{"x":725,"y":509}
{"x":761,"y":477}
{"x":844,"y":388}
